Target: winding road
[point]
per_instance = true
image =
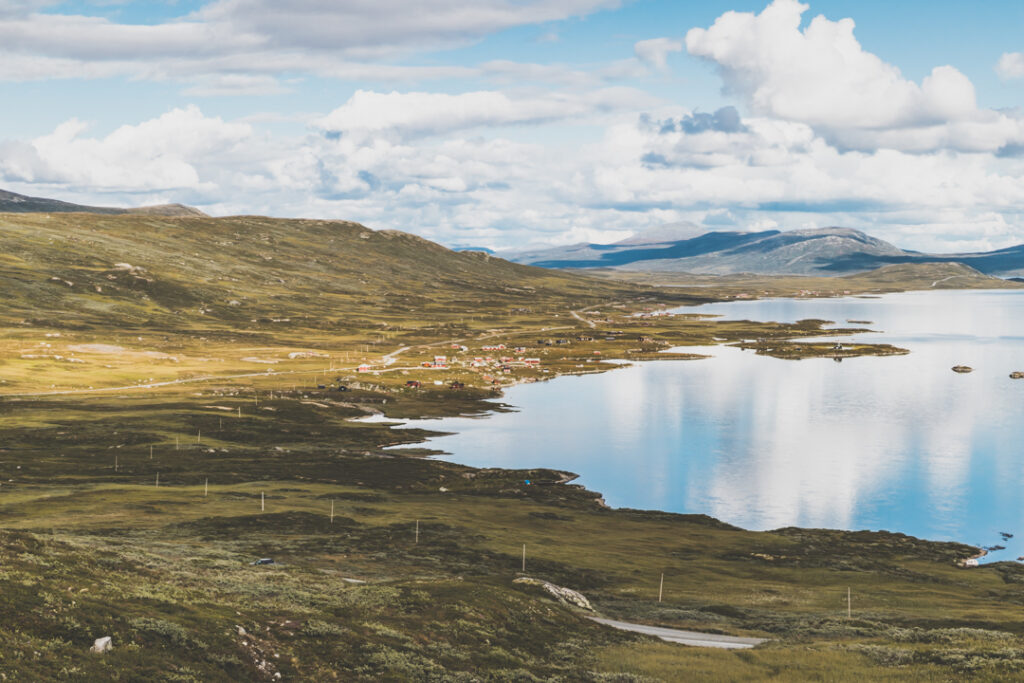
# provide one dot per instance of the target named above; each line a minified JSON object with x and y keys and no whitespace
{"x":692,"y":638}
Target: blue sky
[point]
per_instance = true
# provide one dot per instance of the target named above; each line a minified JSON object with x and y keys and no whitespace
{"x":507,"y":123}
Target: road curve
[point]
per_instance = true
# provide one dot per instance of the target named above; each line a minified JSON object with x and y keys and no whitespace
{"x":692,"y":638}
{"x":579,"y":317}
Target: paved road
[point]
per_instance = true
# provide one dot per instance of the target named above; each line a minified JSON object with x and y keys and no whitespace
{"x":684,"y":637}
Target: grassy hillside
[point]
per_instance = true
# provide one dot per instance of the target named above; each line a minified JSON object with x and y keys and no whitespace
{"x":893,"y":278}
{"x":929,"y":276}
{"x":11,"y":202}
{"x":86,"y":296}
{"x":232,"y":272}
{"x":177,"y":400}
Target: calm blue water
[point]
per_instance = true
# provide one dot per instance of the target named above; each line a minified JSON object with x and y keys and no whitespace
{"x":898,"y":443}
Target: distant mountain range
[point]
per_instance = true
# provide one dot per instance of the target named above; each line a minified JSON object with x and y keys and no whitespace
{"x":821,"y":252}
{"x":11,"y":202}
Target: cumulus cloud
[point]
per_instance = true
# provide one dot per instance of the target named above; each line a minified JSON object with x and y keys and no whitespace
{"x":1011,"y":65}
{"x":421,"y":173}
{"x":162,"y":153}
{"x":655,"y":51}
{"x":823,"y":77}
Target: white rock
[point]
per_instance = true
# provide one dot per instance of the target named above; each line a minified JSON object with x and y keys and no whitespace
{"x":101,"y":645}
{"x":563,"y":594}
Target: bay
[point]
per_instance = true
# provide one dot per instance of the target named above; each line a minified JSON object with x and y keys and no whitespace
{"x":898,"y":443}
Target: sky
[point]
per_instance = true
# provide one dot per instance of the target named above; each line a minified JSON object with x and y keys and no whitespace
{"x":523,"y":123}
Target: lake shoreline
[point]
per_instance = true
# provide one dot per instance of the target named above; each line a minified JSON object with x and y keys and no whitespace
{"x":446,"y":454}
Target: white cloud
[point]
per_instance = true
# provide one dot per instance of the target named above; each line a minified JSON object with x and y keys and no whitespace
{"x":236,"y":84}
{"x":822,"y":76}
{"x":160,"y":154}
{"x":1011,"y":65}
{"x":372,"y":27}
{"x":355,"y":27}
{"x":445,"y":166}
{"x":264,"y":37}
{"x":22,"y":7}
{"x":417,"y":114}
{"x":655,"y":51}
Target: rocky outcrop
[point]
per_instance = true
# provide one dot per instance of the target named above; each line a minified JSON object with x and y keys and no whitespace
{"x":963,"y":369}
{"x":1019,"y":374}
{"x":564,"y":595}
{"x":101,"y":645}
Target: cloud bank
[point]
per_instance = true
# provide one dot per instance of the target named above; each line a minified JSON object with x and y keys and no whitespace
{"x":820,"y":131}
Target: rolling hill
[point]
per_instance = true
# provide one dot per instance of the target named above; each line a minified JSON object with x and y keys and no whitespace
{"x":11,"y":202}
{"x":247,"y":271}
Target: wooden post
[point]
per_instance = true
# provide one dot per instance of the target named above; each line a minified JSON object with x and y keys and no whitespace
{"x":158,"y":479}
{"x":332,"y":512}
{"x":151,"y":452}
{"x":176,"y":444}
{"x":417,"y":531}
{"x":661,"y":586}
{"x":524,"y":557}
{"x":199,"y":435}
{"x":263,"y":502}
{"x":849,"y":607}
{"x":115,"y":463}
{"x":239,"y":411}
{"x":220,"y":427}
{"x":256,"y":394}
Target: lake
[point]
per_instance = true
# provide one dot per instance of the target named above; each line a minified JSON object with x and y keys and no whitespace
{"x":899,"y":443}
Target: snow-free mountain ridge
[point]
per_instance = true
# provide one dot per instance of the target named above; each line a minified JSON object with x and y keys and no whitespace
{"x":822,"y":251}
